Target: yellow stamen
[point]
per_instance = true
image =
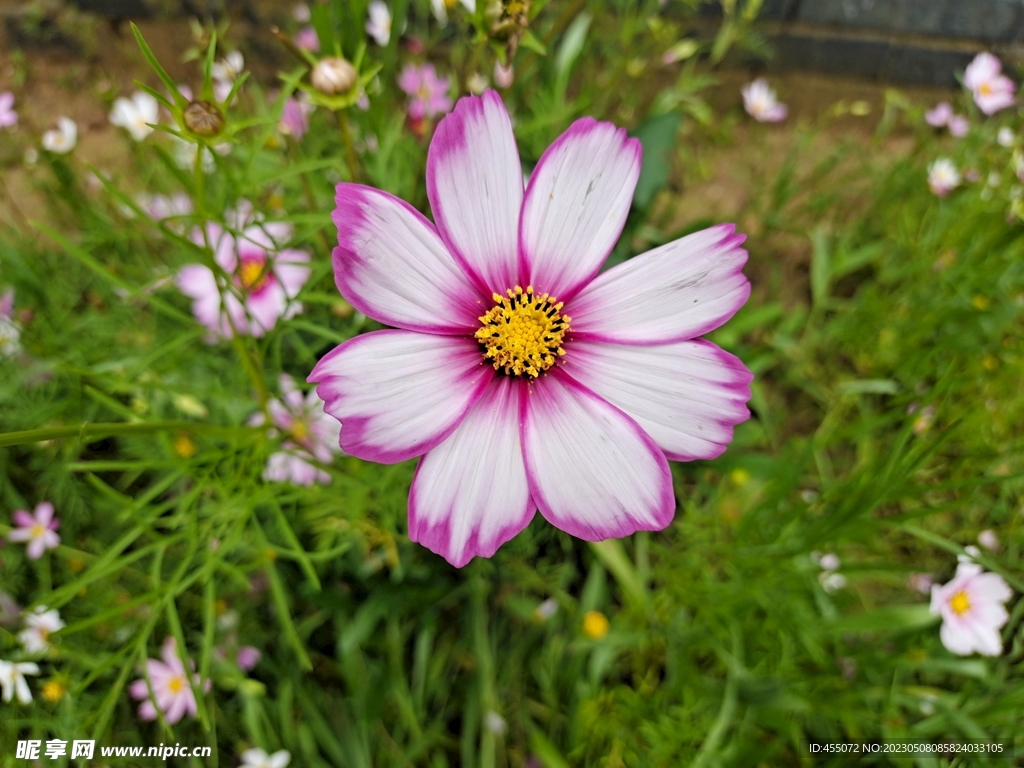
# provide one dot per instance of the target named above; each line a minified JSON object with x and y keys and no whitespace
{"x":299,"y":431}
{"x":176,"y":684}
{"x":54,"y":690}
{"x":252,"y":275}
{"x":960,"y":603}
{"x":522,"y":334}
{"x":595,"y":625}
{"x":38,"y":530}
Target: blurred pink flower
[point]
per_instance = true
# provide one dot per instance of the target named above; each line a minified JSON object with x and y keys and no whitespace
{"x":958,"y":126}
{"x":939,"y":115}
{"x":971,"y":606}
{"x":8,"y":116}
{"x":428,"y":92}
{"x":504,"y":76}
{"x":39,"y":529}
{"x":160,"y":207}
{"x":248,"y":657}
{"x":920,"y":582}
{"x":992,"y":90}
{"x":264,"y":280}
{"x":7,"y":304}
{"x":481,"y":375}
{"x":172,"y":689}
{"x":306,"y":39}
{"x":761,"y":104}
{"x":310,"y":434}
{"x":294,"y":120}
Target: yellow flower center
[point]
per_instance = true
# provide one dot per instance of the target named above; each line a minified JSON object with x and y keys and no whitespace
{"x":252,"y":274}
{"x":176,"y":684}
{"x":54,"y":690}
{"x":38,"y":530}
{"x":960,"y":603}
{"x":299,"y":431}
{"x":595,"y":625}
{"x":522,"y":334}
{"x":985,"y":89}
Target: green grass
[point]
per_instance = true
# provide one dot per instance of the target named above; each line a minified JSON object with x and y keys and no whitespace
{"x":724,"y":649}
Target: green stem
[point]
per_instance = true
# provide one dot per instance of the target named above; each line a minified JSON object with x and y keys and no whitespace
{"x":350,"y":149}
{"x":95,"y":431}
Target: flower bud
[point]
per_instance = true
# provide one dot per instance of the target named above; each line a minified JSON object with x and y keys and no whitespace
{"x":203,"y":118}
{"x":333,"y":76}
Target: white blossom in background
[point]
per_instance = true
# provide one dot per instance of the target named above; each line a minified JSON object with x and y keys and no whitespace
{"x":63,"y":138}
{"x":943,"y":177}
{"x":12,"y":679}
{"x":761,"y":103}
{"x":39,"y":625}
{"x":136,"y":115}
{"x":477,"y":83}
{"x":989,"y":540}
{"x":1005,"y":137}
{"x":972,"y":610}
{"x":441,"y":7}
{"x":378,"y":26}
{"x":504,"y":76}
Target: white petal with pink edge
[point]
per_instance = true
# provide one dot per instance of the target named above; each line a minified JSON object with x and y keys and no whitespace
{"x":593,"y":471}
{"x":470,"y":493}
{"x":391,"y":265}
{"x":687,"y":396}
{"x":398,"y":394}
{"x":675,"y":292}
{"x":576,"y":205}
{"x":475,"y":186}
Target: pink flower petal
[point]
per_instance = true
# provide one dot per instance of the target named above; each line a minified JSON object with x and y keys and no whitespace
{"x":475,"y":186}
{"x":576,"y":205}
{"x":399,"y":394}
{"x":470,"y":493}
{"x":983,"y":68}
{"x":678,"y":291}
{"x":391,"y":265}
{"x":593,"y":471}
{"x":266,"y":307}
{"x":44,"y":512}
{"x":147,"y":711}
{"x":176,"y":708}
{"x":23,"y":519}
{"x":687,"y":396}
{"x":991,"y":586}
{"x":138,"y":689}
{"x":291,"y":269}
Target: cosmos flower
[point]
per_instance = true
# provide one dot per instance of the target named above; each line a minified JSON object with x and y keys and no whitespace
{"x":972,"y":611}
{"x":943,"y":177}
{"x":257,"y":758}
{"x":264,"y":280}
{"x":160,"y":207}
{"x":136,"y":114}
{"x":39,"y":529}
{"x":294,"y":120}
{"x":958,"y":126}
{"x":171,"y":688}
{"x":761,"y":104}
{"x":63,"y":138}
{"x":248,"y":657}
{"x":991,"y":89}
{"x":378,"y":26}
{"x":441,"y":8}
{"x":228,"y":68}
{"x":939,"y":115}
{"x":12,"y":679}
{"x":39,"y":625}
{"x":310,"y":434}
{"x":428,"y":92}
{"x":306,"y":39}
{"x":8,"y":116}
{"x":524,"y":378}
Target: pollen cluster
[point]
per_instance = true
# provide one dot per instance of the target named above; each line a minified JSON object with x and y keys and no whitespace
{"x":960,"y":603}
{"x":522,"y":334}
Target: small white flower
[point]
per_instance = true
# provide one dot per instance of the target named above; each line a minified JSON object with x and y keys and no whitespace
{"x":495,"y":723}
{"x":969,"y":555}
{"x":136,"y":114}
{"x":12,"y":679}
{"x":761,"y":104}
{"x":301,"y":13}
{"x":943,"y":176}
{"x":10,"y":336}
{"x":39,"y":625}
{"x":832,"y":581}
{"x":379,"y":24}
{"x":989,"y":540}
{"x":1005,"y":137}
{"x":829,"y":562}
{"x":257,"y":758}
{"x":504,"y":76}
{"x":440,"y":8}
{"x":545,"y":610}
{"x":477,"y":83}
{"x":971,"y":606}
{"x":63,"y":138}
{"x":229,"y":67}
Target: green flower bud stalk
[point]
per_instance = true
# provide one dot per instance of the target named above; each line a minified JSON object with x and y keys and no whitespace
{"x":333,"y":76}
{"x":203,"y":119}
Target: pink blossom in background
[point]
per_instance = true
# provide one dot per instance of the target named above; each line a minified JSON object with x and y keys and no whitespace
{"x":761,"y":104}
{"x":939,"y":115}
{"x":294,"y":120}
{"x":524,"y":376}
{"x":504,"y":76}
{"x":8,"y":116}
{"x":172,"y":689}
{"x":10,"y":330}
{"x":39,"y":529}
{"x":920,"y":582}
{"x":264,"y":280}
{"x":991,"y":89}
{"x":160,"y":207}
{"x":310,"y":435}
{"x":248,"y":657}
{"x":958,"y":126}
{"x":972,"y":611}
{"x":7,"y":303}
{"x":306,"y":39}
{"x":428,"y":92}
